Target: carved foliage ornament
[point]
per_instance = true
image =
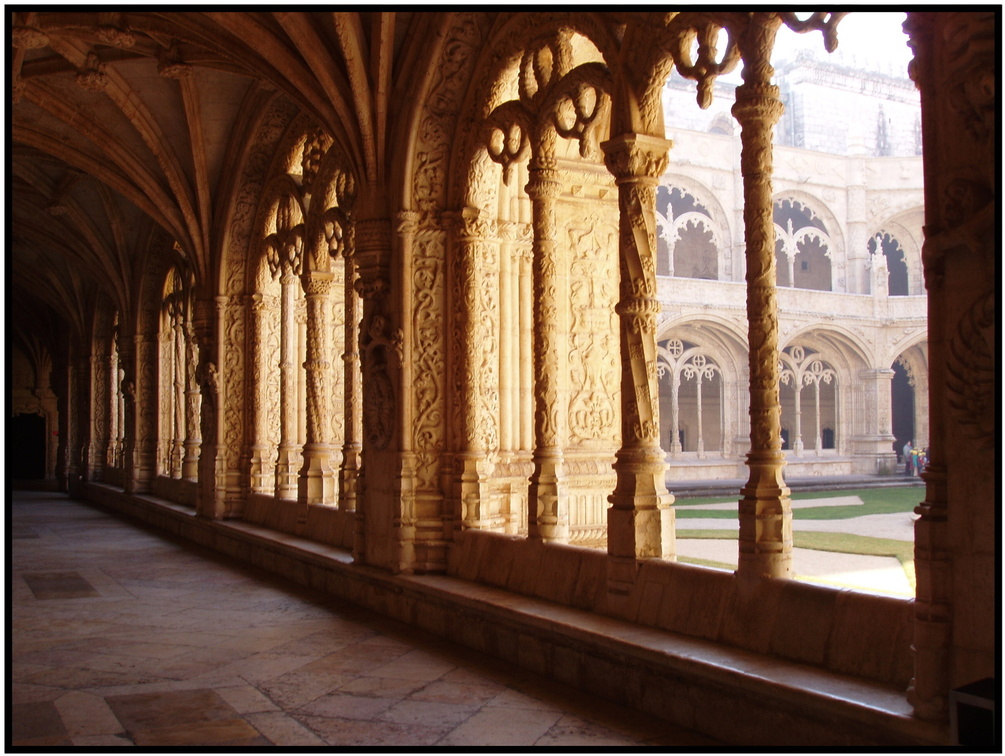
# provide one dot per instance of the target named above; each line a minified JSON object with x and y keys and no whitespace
{"x":971,"y":373}
{"x":554,"y":99}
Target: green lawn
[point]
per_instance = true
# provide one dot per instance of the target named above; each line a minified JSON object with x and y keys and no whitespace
{"x":874,"y":501}
{"x":842,"y":543}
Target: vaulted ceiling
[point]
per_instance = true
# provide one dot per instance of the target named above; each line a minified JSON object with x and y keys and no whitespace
{"x":126,"y":127}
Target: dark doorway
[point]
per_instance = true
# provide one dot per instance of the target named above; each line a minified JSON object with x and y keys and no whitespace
{"x":902,"y":397}
{"x":26,"y":448}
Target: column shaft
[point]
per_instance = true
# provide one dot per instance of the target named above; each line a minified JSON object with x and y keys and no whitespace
{"x":765,"y":511}
{"x":641,"y":519}
{"x":548,"y":515}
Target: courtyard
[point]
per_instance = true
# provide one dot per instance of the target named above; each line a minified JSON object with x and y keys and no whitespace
{"x":849,"y":538}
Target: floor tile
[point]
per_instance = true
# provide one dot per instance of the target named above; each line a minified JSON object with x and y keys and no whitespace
{"x":185,"y":649}
{"x":36,"y":720}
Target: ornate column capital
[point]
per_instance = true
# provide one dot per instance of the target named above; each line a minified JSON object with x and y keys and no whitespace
{"x":636,"y":156}
{"x":318,"y":283}
{"x":372,"y":254}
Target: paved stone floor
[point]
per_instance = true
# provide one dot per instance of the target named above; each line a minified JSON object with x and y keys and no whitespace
{"x":123,"y":636}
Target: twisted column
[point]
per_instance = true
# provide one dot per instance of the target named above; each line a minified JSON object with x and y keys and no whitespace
{"x":316,"y":484}
{"x":548,"y":498}
{"x":640,"y":522}
{"x":765,"y":511}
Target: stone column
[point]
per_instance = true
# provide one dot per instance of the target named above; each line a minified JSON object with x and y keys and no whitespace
{"x":260,"y":463}
{"x":289,"y":451}
{"x":73,"y":407}
{"x":640,"y":522}
{"x":471,"y":467}
{"x":119,"y":449}
{"x":102,"y":408}
{"x":797,"y":420}
{"x":61,"y":380}
{"x":145,"y":448}
{"x":385,"y":533}
{"x":178,"y":441}
{"x":765,"y":511}
{"x":210,"y":501}
{"x":877,"y":437}
{"x":127,"y":390}
{"x":193,"y":400}
{"x":548,"y":497}
{"x":353,"y":443}
{"x":317,"y":476}
{"x":405,"y":226}
{"x":957,"y":553}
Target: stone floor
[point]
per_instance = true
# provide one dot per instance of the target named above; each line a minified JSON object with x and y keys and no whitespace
{"x":122,"y":636}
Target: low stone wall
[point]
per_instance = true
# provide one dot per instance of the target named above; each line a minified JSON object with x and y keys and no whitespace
{"x":839,"y":630}
{"x":326,"y":524}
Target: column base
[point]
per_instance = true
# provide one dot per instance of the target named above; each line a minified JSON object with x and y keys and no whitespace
{"x":765,"y":514}
{"x":641,"y":533}
{"x":316,"y":483}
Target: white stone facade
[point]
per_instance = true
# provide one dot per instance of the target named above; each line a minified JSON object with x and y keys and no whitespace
{"x":844,"y":312}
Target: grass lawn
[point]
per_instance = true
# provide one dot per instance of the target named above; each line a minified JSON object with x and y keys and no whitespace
{"x":842,"y":543}
{"x":874,"y":501}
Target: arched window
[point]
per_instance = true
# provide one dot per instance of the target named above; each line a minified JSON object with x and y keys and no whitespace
{"x":802,"y":247}
{"x":896,"y":262}
{"x":691,"y":386}
{"x":803,"y":375}
{"x":687,"y":244}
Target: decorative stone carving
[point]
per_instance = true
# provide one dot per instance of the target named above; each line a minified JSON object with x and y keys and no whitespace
{"x":92,"y":76}
{"x":971,"y":375}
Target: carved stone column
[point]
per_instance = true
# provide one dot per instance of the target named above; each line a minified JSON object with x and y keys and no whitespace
{"x":60,"y":383}
{"x":261,"y":467}
{"x":317,"y":476}
{"x":74,"y":407}
{"x":385,"y":533}
{"x":193,"y":399}
{"x":878,"y":435}
{"x":178,"y":437}
{"x":548,"y":497}
{"x":765,"y":511}
{"x":352,"y":446}
{"x":405,"y":226}
{"x":210,"y":502}
{"x":472,"y":467}
{"x":127,"y":390}
{"x":640,"y":522}
{"x":102,"y":408}
{"x":119,"y":447}
{"x":957,"y":557}
{"x":287,"y":461}
{"x":145,"y":417}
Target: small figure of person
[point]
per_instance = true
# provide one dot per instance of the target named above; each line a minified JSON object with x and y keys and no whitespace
{"x":908,"y":461}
